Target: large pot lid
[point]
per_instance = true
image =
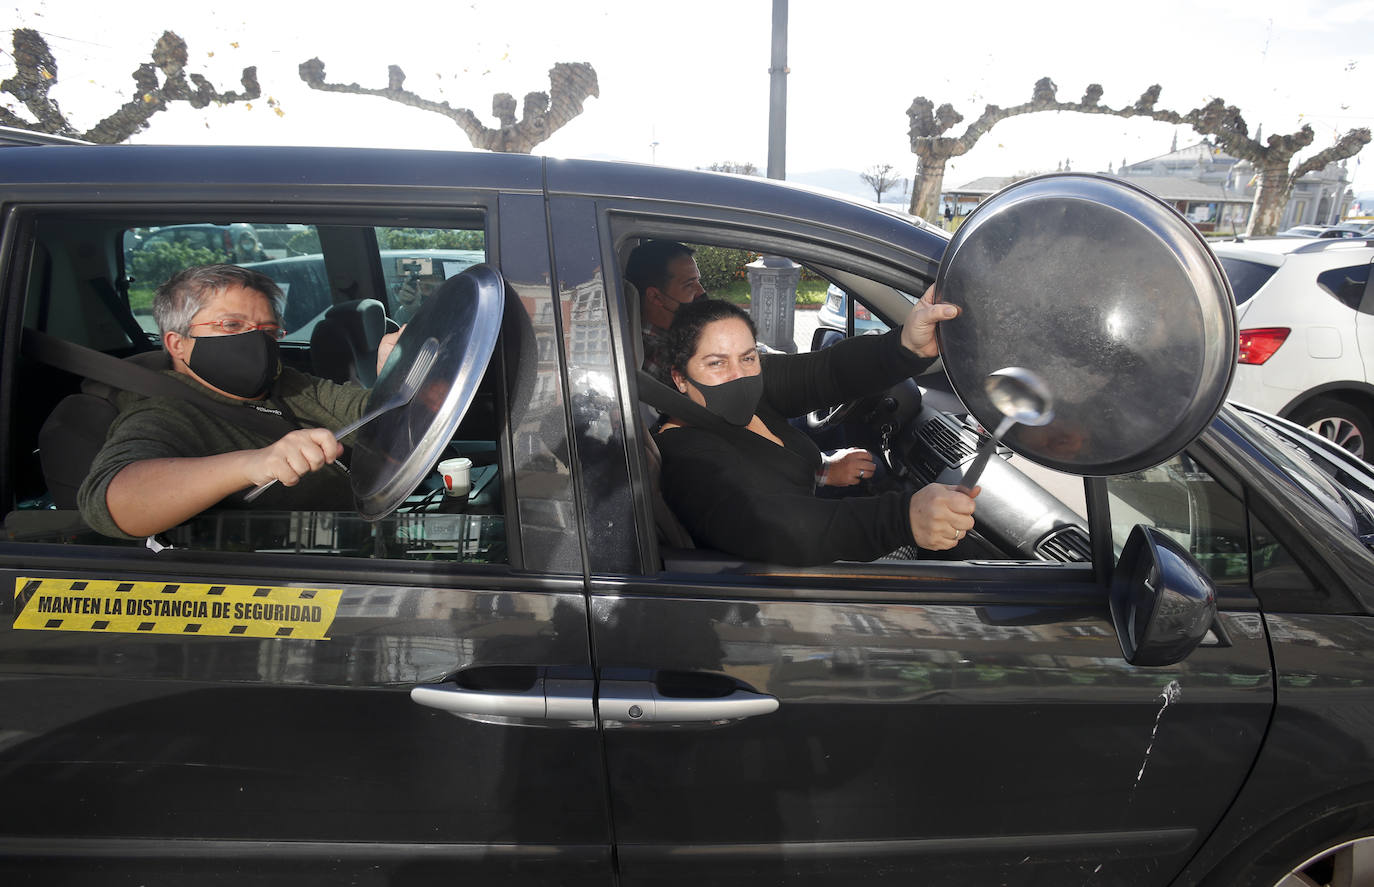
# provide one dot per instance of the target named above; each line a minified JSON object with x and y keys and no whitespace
{"x":392,"y":454}
{"x":1112,"y":298}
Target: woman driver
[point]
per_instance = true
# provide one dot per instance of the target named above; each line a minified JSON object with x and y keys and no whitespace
{"x":741,"y":478}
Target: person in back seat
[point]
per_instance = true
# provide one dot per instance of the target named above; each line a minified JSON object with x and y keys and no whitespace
{"x":165,"y":460}
{"x":667,"y":278}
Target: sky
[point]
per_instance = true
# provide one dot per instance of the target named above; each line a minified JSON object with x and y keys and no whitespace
{"x":687,"y":84}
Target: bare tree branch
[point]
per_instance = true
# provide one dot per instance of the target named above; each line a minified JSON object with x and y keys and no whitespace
{"x":36,"y":73}
{"x":544,"y":113}
{"x":933,"y":148}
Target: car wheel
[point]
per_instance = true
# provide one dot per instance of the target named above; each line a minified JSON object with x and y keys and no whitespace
{"x":1337,"y":421}
{"x":1348,"y":865}
{"x":1298,"y":850}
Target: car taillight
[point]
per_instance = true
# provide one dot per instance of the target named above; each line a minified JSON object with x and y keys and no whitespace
{"x":861,"y":313}
{"x":1257,"y":346}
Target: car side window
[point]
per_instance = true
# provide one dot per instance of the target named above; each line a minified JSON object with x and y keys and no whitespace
{"x":1346,"y":284}
{"x":1246,"y":277}
{"x":107,"y":306}
{"x":1186,"y":502}
{"x":919,"y":434}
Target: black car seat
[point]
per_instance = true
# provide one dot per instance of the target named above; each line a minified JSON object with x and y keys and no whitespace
{"x":75,"y":431}
{"x":671,"y":532}
{"x":343,"y":345}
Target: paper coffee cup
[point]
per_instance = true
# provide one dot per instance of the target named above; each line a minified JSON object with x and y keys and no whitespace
{"x":456,"y":476}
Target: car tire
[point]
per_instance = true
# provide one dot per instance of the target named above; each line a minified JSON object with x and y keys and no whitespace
{"x":1347,"y":426}
{"x":1333,"y":851}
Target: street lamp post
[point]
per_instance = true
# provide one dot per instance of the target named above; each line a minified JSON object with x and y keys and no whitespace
{"x":773,"y":279}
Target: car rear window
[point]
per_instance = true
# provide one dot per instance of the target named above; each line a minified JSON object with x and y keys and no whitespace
{"x":1246,"y":277}
{"x":1346,"y":284}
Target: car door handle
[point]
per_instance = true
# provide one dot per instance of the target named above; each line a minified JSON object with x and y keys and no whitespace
{"x":633,"y":703}
{"x":547,"y":702}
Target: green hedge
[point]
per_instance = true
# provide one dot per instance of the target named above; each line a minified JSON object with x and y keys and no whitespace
{"x":429,"y":238}
{"x":156,"y":262}
{"x":720,"y":266}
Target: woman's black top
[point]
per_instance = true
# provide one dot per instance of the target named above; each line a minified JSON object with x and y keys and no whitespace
{"x":742,"y":494}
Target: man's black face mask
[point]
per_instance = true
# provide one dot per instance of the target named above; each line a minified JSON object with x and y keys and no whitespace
{"x":243,"y":365}
{"x":672,"y":304}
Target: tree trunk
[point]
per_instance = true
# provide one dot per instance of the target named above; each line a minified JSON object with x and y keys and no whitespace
{"x":926,"y":187}
{"x":1271,"y":196}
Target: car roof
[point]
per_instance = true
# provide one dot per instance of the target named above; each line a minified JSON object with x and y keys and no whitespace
{"x":258,"y":173}
{"x":1277,"y":250}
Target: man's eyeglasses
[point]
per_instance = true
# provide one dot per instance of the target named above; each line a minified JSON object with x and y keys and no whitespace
{"x":232,"y":326}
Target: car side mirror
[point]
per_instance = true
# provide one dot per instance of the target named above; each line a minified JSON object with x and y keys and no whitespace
{"x":1162,"y":602}
{"x":824,"y":338}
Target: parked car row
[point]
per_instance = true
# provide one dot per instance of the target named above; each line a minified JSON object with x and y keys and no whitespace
{"x":1344,"y":231}
{"x":233,"y":241}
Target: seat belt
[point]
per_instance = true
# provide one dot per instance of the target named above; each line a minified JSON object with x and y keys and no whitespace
{"x":91,"y":364}
{"x":120,"y":311}
{"x":673,"y":403}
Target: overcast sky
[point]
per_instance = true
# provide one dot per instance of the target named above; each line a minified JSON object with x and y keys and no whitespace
{"x":687,"y":84}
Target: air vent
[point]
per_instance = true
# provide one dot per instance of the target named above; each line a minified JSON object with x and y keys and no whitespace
{"x":946,"y":441}
{"x":1067,"y":545}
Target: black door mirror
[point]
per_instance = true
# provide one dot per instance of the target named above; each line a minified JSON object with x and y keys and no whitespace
{"x":1162,"y":602}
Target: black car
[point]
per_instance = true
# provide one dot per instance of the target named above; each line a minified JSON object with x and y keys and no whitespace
{"x":1161,"y":676}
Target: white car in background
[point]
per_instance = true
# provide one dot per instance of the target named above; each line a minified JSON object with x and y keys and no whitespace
{"x":1304,"y":308}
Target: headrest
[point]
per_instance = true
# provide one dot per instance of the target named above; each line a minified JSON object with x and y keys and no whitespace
{"x":343,"y":345}
{"x":636,"y":323}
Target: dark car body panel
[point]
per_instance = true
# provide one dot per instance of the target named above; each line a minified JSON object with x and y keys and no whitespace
{"x":940,"y":722}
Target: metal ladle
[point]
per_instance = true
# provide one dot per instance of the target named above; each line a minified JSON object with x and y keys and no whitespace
{"x":1022,"y":397}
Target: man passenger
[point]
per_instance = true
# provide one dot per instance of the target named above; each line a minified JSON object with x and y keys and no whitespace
{"x":667,"y":278}
{"x":165,"y":459}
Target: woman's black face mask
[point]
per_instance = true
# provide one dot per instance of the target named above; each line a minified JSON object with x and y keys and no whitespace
{"x":734,"y":401}
{"x":243,"y":365}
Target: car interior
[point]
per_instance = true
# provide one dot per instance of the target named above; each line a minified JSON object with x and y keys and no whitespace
{"x":88,"y":297}
{"x":90,"y":284}
{"x":919,"y":430}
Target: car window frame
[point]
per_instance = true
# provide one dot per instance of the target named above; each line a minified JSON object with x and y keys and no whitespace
{"x":468,"y":205}
{"x":808,"y":246}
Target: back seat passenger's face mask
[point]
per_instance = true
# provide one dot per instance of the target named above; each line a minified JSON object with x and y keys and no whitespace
{"x":243,"y":365}
{"x":734,"y":401}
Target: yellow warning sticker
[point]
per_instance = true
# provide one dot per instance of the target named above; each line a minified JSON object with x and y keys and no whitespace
{"x":181,"y":608}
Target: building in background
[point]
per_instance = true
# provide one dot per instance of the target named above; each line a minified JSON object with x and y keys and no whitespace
{"x":1214,"y":190}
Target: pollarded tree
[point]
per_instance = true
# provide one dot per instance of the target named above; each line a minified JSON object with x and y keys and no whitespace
{"x":545,"y":113}
{"x":1272,"y":160}
{"x":36,"y":73}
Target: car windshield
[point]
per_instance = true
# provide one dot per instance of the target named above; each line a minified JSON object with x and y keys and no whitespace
{"x":1343,"y":484}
